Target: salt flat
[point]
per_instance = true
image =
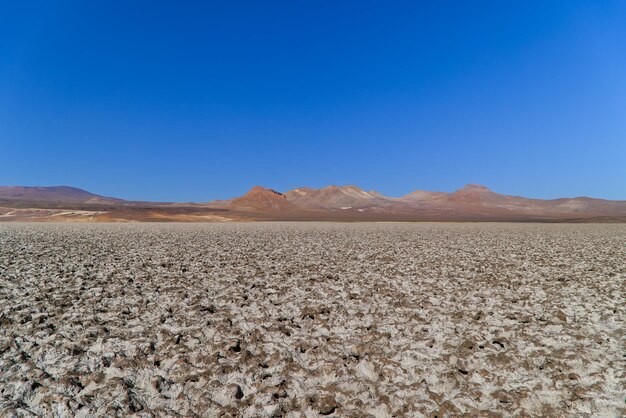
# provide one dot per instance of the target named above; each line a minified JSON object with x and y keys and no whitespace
{"x":310,"y":319}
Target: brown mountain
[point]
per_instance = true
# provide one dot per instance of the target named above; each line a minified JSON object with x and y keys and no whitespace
{"x":263,"y":200}
{"x":421,"y":196}
{"x":474,"y":193}
{"x":54,"y":195}
{"x":474,"y":199}
{"x":338,"y":197}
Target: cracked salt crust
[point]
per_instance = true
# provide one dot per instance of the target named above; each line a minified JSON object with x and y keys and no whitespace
{"x":295,"y":319}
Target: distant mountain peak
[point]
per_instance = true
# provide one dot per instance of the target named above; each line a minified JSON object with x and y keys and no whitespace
{"x":335,"y":197}
{"x":57,"y":194}
{"x":265,"y":191}
{"x":261,"y":198}
{"x":419,"y":195}
{"x":473,"y":194}
{"x":346,"y":187}
{"x":302,"y":190}
{"x":475,"y":187}
{"x":261,"y":189}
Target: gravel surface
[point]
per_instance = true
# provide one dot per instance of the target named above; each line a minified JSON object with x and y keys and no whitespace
{"x":312,"y":319}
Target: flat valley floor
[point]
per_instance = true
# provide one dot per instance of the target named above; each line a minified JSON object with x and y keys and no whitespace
{"x":312,"y":319}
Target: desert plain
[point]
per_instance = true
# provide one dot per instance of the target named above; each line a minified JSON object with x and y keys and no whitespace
{"x":312,"y":319}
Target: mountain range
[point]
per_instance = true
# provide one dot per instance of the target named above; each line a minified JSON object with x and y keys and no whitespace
{"x":472,"y":202}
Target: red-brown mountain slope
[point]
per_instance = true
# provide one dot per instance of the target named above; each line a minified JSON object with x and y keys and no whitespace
{"x":51,"y":195}
{"x":263,"y":200}
{"x":337,"y":197}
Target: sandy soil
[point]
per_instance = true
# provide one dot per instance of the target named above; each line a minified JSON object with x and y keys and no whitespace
{"x":291,"y":320}
{"x":115,"y":215}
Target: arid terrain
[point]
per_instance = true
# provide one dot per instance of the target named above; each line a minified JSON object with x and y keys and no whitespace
{"x":472,"y":203}
{"x":312,"y":319}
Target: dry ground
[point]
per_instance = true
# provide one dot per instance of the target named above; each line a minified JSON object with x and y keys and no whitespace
{"x":280,"y":319}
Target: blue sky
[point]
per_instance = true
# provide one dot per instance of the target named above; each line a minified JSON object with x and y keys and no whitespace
{"x":192,"y":101}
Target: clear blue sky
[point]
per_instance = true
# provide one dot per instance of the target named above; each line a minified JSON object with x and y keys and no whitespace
{"x":202,"y":100}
